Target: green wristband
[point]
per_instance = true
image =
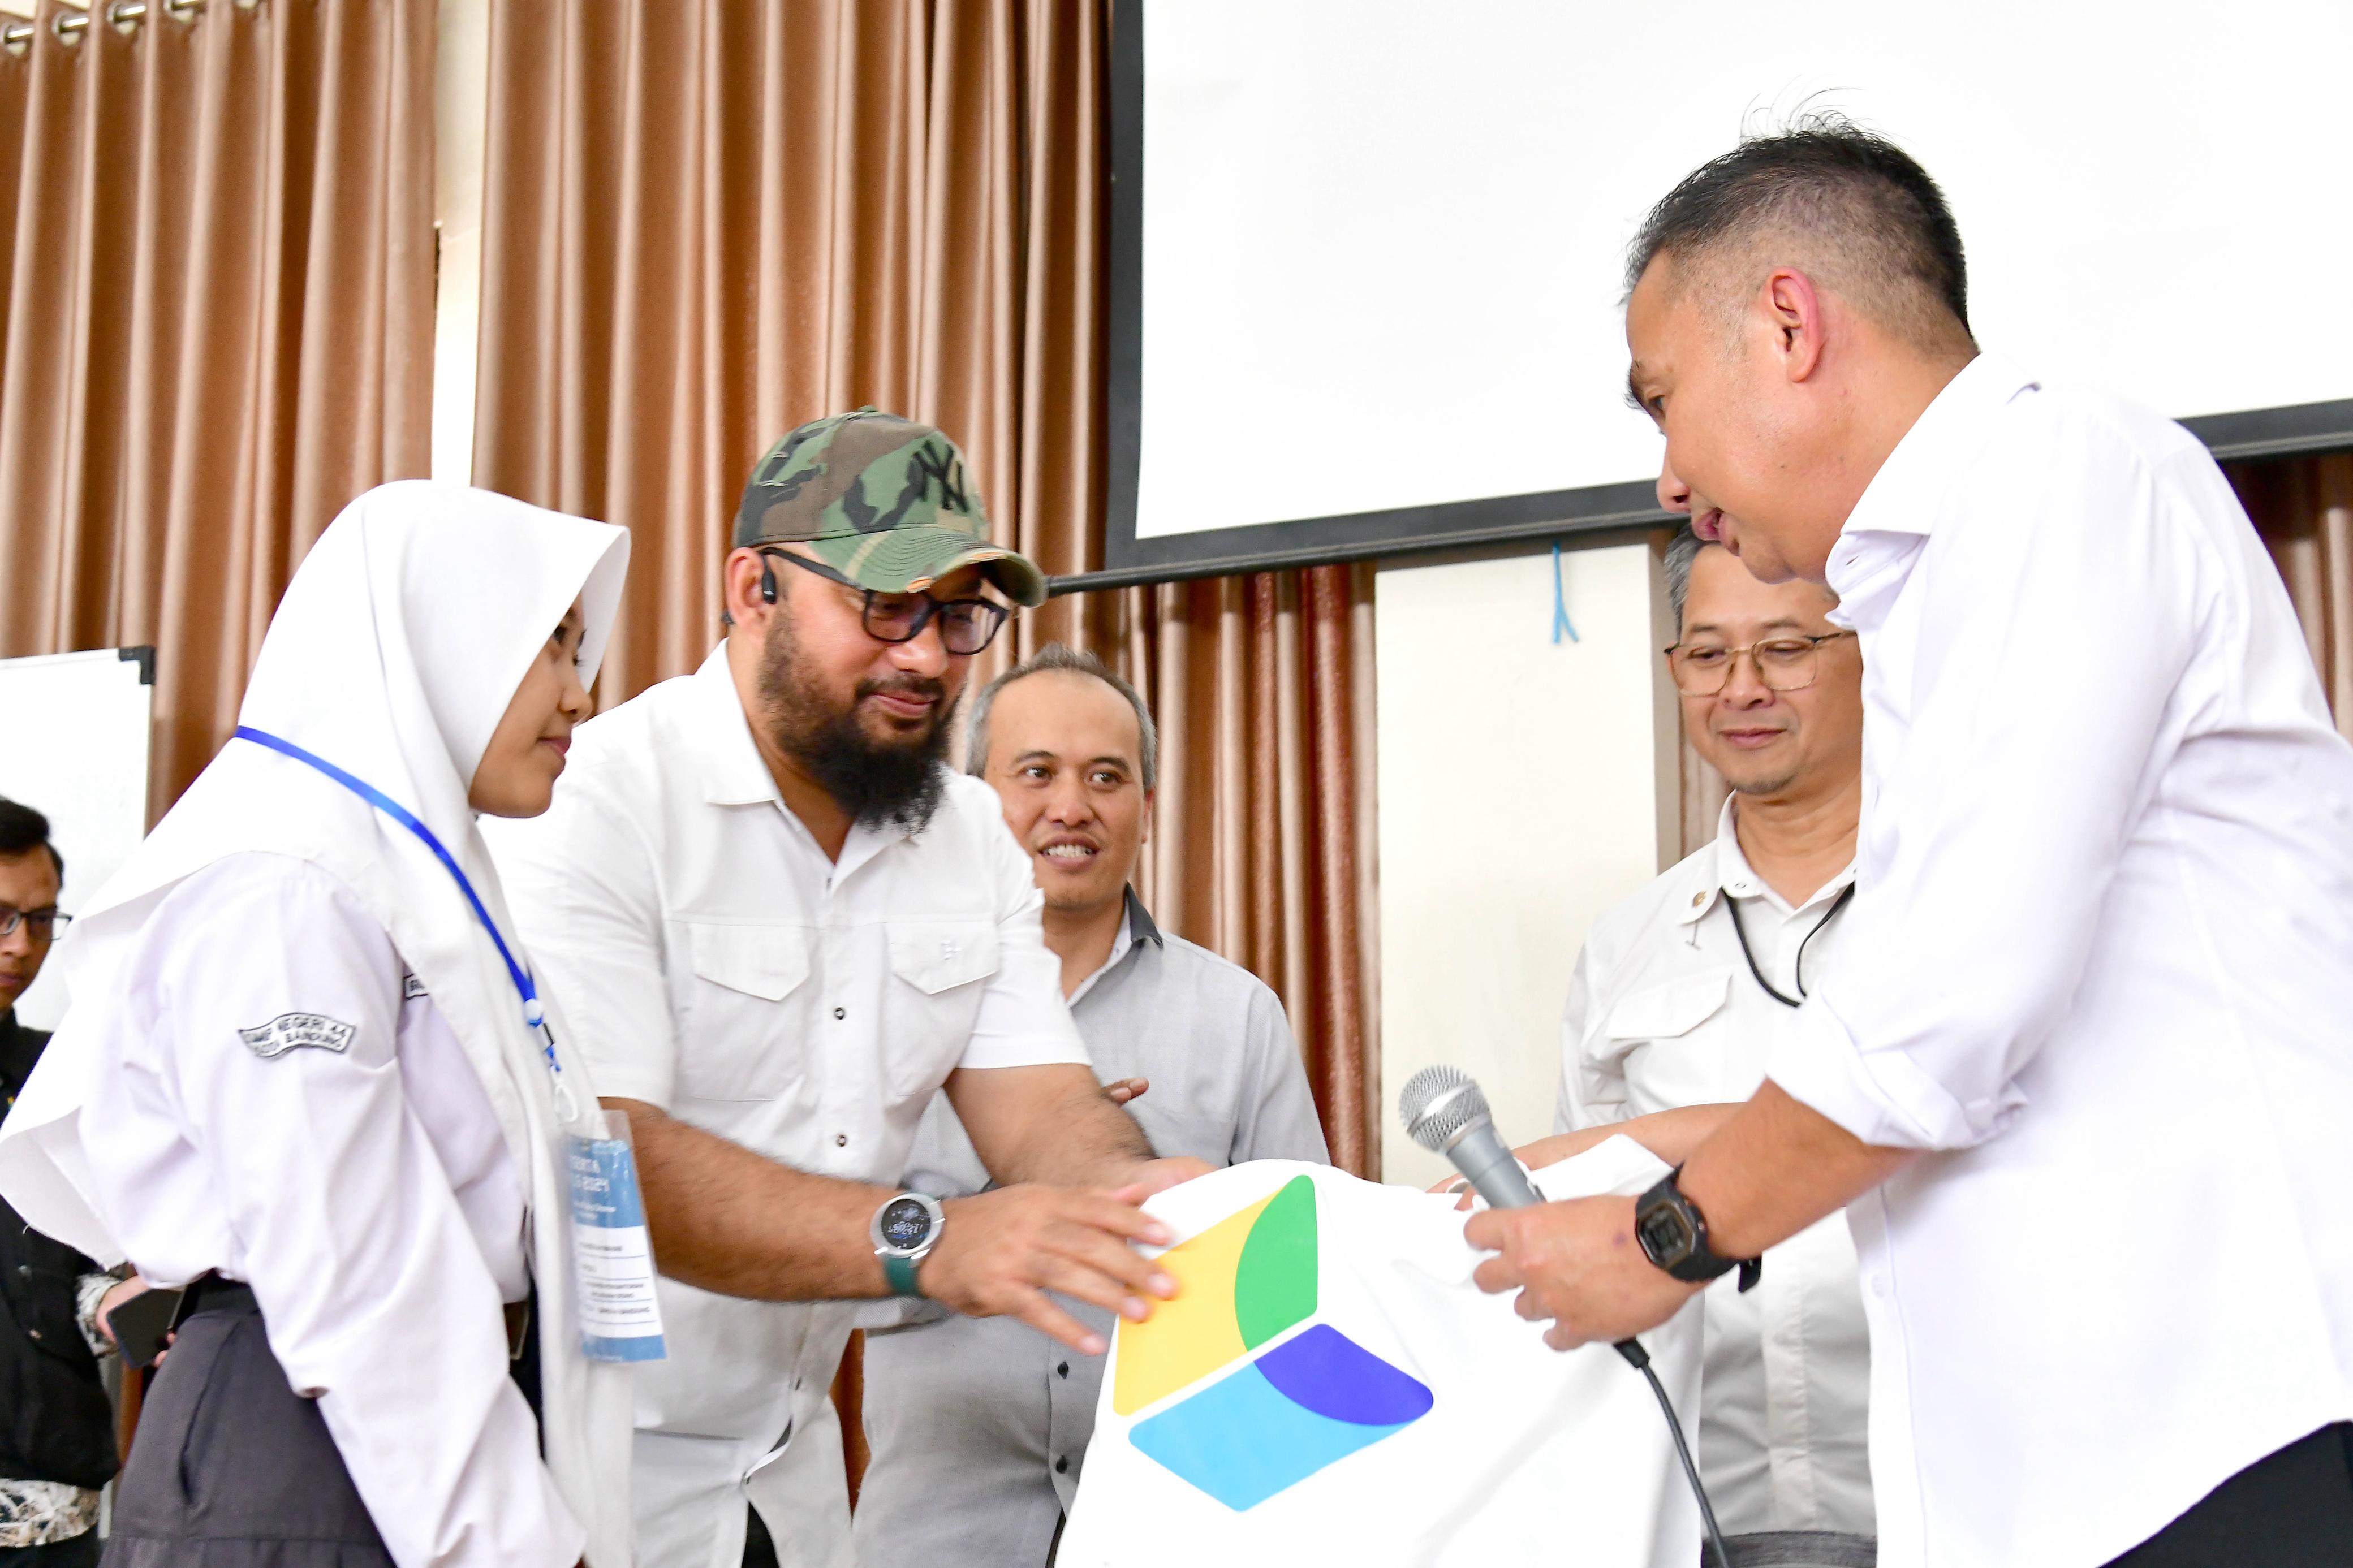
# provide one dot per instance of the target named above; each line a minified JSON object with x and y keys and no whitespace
{"x":901,"y":1272}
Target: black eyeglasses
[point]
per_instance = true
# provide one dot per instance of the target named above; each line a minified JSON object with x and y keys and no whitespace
{"x":43,"y":923}
{"x":967,"y":625}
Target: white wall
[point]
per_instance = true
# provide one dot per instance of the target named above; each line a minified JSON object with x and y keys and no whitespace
{"x":461,"y":113}
{"x":1525,"y":788}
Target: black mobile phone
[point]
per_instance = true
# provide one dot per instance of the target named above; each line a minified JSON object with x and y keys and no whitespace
{"x":140,"y":1324}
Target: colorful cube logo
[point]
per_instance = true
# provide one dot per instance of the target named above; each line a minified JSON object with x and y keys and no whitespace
{"x":1283,"y":1415}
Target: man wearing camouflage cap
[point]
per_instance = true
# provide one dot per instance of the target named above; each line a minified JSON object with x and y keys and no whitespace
{"x":779,"y":924}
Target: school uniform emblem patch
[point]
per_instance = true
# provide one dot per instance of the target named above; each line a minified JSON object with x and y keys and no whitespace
{"x":291,"y":1031}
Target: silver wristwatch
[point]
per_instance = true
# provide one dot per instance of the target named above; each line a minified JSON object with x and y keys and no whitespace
{"x":904,"y":1231}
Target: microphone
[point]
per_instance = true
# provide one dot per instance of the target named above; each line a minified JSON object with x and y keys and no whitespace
{"x":1446,"y":1112}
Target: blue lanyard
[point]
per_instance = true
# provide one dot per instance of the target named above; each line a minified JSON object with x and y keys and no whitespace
{"x":533,"y":1014}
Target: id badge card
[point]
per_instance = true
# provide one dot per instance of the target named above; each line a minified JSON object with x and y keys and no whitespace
{"x":613,"y":1263}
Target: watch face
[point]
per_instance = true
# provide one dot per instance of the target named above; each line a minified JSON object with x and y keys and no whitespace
{"x":1664,"y":1234}
{"x":906,"y":1224}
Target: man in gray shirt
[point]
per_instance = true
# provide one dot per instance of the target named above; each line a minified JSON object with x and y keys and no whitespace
{"x":978,"y":1425}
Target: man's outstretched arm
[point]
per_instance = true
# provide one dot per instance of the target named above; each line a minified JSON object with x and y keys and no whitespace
{"x":724,"y":1218}
{"x":1055,"y":1123}
{"x":1773,"y":1168}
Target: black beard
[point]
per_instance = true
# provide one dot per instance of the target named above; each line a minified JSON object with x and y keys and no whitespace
{"x":880,"y":784}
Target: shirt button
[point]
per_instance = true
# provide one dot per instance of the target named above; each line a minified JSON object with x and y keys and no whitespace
{"x":1062,"y":1466}
{"x":841,"y":1013}
{"x":1063,"y":1370}
{"x":841,"y":1140}
{"x":1698,"y":899}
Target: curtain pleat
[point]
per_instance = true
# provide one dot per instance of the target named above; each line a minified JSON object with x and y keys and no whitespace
{"x":218,"y":329}
{"x":2304,"y":509}
{"x":707,"y":221}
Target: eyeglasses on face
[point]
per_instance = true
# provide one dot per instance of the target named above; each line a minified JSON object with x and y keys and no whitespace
{"x":1783,"y":664}
{"x":40,"y":922}
{"x":967,"y":625}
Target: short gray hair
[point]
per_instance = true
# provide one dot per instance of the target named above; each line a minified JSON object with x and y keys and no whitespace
{"x":1056,"y":656}
{"x":1682,"y":551}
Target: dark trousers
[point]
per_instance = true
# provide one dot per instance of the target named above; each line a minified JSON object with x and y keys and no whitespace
{"x":759,"y":1551}
{"x":82,"y":1551}
{"x":2293,"y":1508}
{"x":232,"y":1468}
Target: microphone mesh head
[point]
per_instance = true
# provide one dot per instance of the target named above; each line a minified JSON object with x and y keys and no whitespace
{"x":1432,"y":1124}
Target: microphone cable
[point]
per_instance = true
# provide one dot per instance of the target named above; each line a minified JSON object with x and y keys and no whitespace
{"x":1445,"y":1112}
{"x":1640,"y":1360}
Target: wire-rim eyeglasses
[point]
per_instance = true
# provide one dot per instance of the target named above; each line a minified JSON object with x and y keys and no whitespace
{"x":1783,"y":663}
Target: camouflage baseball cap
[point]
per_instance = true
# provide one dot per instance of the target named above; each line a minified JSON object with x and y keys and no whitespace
{"x":883,"y":500}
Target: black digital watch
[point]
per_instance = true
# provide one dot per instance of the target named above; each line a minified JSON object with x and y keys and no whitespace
{"x":1673,"y":1236}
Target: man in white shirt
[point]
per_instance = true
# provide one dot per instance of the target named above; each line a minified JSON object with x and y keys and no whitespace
{"x":2081,"y":1072}
{"x":1677,"y":992}
{"x":779,"y":924}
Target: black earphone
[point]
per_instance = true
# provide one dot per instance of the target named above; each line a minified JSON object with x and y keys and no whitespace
{"x":768,"y":581}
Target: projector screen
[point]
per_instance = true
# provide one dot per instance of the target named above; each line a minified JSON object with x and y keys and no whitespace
{"x":1366,"y":255}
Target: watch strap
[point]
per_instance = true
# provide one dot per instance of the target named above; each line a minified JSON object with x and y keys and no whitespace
{"x":1701,"y":1262}
{"x":901,"y":1273}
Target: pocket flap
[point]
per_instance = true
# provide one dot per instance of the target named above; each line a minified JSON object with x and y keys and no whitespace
{"x":762,"y":961}
{"x":1676,"y":1007}
{"x":933,"y":956}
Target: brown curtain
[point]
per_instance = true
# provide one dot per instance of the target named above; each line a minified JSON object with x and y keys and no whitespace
{"x":2303,"y":507}
{"x":707,"y":221}
{"x":217,"y":253}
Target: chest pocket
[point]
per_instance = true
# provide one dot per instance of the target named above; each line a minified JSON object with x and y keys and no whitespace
{"x":938,"y":970}
{"x":1662,"y":1012}
{"x":1679,"y":1072}
{"x":742,"y":1038}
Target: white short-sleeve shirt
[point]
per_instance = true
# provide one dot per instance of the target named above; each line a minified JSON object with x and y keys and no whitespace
{"x":713,"y":962}
{"x":1664,"y":1011}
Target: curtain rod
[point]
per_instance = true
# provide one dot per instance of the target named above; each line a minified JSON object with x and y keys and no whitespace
{"x":72,"y":24}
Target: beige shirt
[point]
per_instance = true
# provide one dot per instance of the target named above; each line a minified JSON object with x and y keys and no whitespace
{"x":1664,"y":1012}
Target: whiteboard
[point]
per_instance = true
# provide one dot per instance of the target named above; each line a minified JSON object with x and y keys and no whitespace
{"x":1372,"y":250}
{"x":79,"y":726}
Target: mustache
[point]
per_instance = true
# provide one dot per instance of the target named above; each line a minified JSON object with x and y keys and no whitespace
{"x":920,"y":686}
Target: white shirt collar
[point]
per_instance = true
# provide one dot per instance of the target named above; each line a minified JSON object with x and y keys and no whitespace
{"x":1723,"y":869}
{"x":734,"y":773}
{"x":1916,"y":485}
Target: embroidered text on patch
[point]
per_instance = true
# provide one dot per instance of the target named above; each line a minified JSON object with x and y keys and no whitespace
{"x":288,"y":1031}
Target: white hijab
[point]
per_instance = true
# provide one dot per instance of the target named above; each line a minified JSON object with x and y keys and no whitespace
{"x":393,"y":656}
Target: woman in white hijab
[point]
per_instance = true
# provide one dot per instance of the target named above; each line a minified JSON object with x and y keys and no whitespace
{"x":299,"y":1076}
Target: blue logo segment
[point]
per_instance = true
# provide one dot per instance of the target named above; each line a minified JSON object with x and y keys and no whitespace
{"x":1309,"y":1402}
